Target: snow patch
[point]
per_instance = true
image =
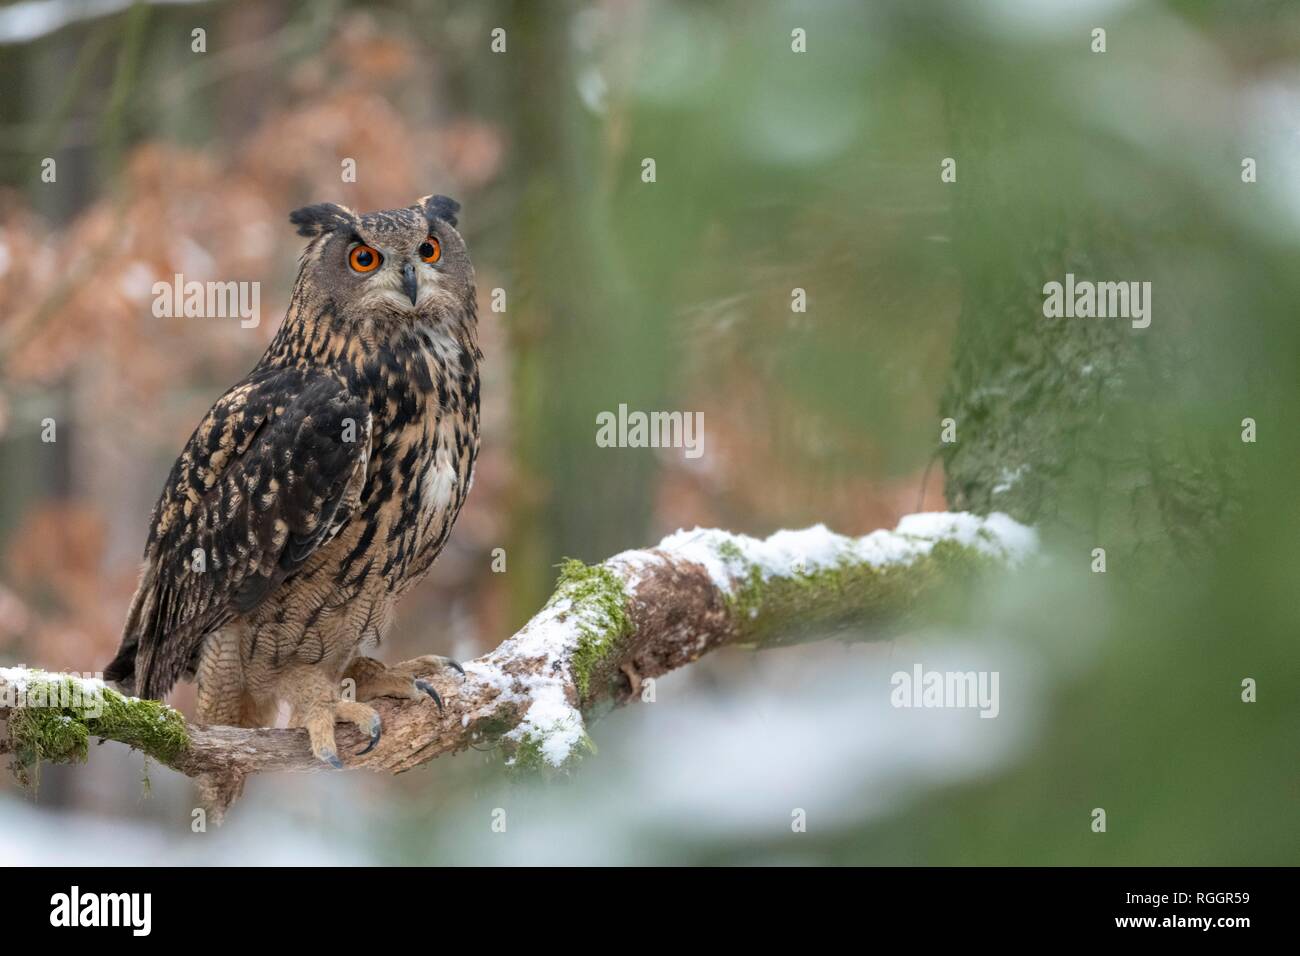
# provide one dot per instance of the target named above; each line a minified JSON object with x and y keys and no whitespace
{"x":731,"y":557}
{"x":549,"y":639}
{"x":18,"y":678}
{"x":1010,"y":477}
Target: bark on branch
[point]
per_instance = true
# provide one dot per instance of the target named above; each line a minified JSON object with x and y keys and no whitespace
{"x":605,"y":631}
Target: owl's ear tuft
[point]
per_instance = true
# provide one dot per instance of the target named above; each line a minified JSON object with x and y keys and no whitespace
{"x":440,"y":207}
{"x":321,"y":218}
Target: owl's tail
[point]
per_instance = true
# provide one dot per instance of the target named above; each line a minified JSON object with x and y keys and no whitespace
{"x":121,"y":670}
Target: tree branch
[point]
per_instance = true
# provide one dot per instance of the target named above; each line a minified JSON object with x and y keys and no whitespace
{"x":606,"y":630}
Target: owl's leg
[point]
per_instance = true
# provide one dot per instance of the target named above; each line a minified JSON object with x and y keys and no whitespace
{"x":375,"y":679}
{"x":219,"y":680}
{"x":221,"y":699}
{"x":315,"y":704}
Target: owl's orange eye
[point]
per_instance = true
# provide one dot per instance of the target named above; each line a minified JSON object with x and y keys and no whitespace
{"x":430,"y":250}
{"x":364,"y":259}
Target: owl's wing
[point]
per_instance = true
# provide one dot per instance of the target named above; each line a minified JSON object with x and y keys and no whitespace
{"x":273,"y":472}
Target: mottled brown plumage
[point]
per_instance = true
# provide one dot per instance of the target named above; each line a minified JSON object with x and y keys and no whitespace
{"x":321,"y":487}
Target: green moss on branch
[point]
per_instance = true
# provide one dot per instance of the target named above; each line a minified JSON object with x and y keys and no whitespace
{"x":777,"y":610}
{"x":599,"y":600}
{"x":526,"y":758}
{"x":58,"y":715}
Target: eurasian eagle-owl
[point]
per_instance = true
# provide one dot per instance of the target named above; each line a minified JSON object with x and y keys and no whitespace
{"x":321,"y":487}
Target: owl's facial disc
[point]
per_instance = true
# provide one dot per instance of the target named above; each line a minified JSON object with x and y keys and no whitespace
{"x":405,"y":265}
{"x":395,"y":279}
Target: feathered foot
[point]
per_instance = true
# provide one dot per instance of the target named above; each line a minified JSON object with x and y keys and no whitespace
{"x":316,"y":704}
{"x":375,"y":679}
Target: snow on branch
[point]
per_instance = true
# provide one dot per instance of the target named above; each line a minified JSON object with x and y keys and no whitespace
{"x":606,"y":630}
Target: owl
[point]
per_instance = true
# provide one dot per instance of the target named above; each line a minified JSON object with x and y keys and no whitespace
{"x":320,"y":488}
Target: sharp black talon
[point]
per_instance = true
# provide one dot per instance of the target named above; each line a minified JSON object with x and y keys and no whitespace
{"x":459,"y":670}
{"x":331,"y":758}
{"x":425,"y":686}
{"x":375,"y":732}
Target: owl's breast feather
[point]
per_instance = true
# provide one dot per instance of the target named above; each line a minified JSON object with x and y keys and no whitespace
{"x":438,"y":488}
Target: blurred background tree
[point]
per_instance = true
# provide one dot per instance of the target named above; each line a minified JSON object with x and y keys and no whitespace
{"x":775,"y":170}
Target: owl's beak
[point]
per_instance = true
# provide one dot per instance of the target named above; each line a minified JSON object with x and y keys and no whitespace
{"x":409,"y":283}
